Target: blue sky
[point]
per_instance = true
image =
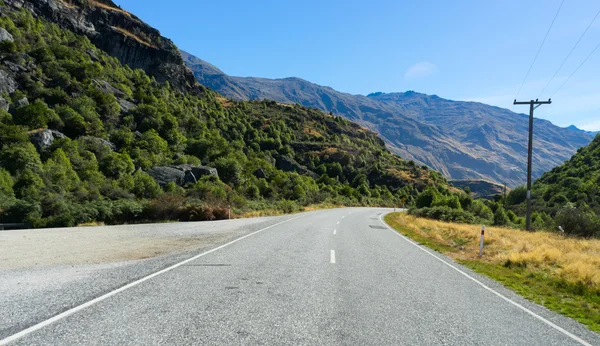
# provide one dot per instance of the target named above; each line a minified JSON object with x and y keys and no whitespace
{"x":461,"y":49}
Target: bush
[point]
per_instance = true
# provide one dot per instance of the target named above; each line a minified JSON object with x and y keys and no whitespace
{"x":427,"y":198}
{"x":578,"y":221}
{"x":517,"y":195}
{"x":165,"y":207}
{"x":500,"y":217}
{"x":444,"y":213}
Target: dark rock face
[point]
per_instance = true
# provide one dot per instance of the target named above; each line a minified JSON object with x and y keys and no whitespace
{"x":259,"y":173}
{"x":165,"y":175}
{"x":181,"y":174}
{"x":290,"y":165}
{"x":7,"y":83}
{"x":42,"y":140}
{"x":5,"y":35}
{"x":120,"y":34}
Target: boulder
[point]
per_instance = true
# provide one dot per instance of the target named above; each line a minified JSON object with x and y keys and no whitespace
{"x":287,"y":164}
{"x":259,"y":173}
{"x":165,"y":175}
{"x":5,"y":35}
{"x":197,"y":171}
{"x":7,"y":83}
{"x":4,"y":104}
{"x":42,"y":140}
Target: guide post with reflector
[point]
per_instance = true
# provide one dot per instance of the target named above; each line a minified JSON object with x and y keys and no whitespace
{"x":481,"y":241}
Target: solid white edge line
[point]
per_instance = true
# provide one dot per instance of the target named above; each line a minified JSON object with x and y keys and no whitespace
{"x":560,"y":329}
{"x":71,"y":311}
{"x":333,"y":256}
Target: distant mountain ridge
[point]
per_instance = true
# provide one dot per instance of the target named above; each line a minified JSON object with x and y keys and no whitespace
{"x":462,"y":140}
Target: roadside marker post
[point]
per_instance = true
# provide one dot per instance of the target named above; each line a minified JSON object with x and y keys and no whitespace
{"x":229,"y":212}
{"x":481,"y":241}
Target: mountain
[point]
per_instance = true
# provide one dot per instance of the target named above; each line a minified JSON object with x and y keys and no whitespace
{"x":101,"y":121}
{"x":576,"y":129}
{"x":462,"y":140}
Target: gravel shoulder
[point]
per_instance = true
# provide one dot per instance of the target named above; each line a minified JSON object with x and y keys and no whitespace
{"x":46,"y":271}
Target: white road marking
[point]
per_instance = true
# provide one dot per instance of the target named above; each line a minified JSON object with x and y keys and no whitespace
{"x":338,"y":223}
{"x":333,"y":256}
{"x":335,"y":231}
{"x":130,"y":285}
{"x":572,"y":336}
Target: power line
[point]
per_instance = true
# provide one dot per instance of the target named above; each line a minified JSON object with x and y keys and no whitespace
{"x":539,"y":49}
{"x":583,"y":62}
{"x":568,"y":55}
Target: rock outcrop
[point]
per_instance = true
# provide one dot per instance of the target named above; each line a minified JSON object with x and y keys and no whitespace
{"x":7,"y":83}
{"x":4,"y":104}
{"x":181,"y":174}
{"x":42,"y":140}
{"x":164,"y":175}
{"x":5,"y":35}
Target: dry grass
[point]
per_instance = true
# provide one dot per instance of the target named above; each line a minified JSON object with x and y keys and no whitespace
{"x":225,"y":102}
{"x":574,"y":260}
{"x":550,"y":269}
{"x":133,"y":36}
{"x":91,"y":224}
{"x":312,"y":131}
{"x":110,"y":8}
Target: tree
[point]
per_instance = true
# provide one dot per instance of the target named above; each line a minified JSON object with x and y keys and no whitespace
{"x":36,"y":115}
{"x":145,"y":186}
{"x":517,"y":195}
{"x":427,"y":198}
{"x":230,"y":171}
{"x":500,"y":217}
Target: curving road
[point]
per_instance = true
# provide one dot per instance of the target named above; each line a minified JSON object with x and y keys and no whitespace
{"x":332,"y":277}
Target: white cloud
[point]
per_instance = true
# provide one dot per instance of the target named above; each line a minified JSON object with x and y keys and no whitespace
{"x":420,"y":69}
{"x":591,"y":126}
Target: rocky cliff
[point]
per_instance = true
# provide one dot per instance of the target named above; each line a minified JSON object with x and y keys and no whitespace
{"x":119,"y":33}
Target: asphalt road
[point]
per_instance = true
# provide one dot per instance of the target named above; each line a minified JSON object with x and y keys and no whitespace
{"x":320,"y":278}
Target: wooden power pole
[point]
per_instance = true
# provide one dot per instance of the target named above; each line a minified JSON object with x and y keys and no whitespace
{"x":532,"y":105}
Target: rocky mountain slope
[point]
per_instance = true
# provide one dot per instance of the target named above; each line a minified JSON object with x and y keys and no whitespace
{"x":119,"y":33}
{"x":99,"y":124}
{"x":463,"y":140}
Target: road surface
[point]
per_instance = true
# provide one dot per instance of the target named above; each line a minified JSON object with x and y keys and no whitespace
{"x":330,"y":277}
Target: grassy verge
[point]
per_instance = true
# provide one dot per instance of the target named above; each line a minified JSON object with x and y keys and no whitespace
{"x":560,"y":273}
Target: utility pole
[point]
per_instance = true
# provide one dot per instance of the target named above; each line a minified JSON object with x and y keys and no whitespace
{"x":532,"y":105}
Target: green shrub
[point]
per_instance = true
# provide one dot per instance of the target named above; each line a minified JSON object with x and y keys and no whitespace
{"x":500,"y":217}
{"x":577,"y":221}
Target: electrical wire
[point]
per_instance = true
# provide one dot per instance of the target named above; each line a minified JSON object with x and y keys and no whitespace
{"x":540,"y":49}
{"x":568,"y":55}
{"x":577,"y":69}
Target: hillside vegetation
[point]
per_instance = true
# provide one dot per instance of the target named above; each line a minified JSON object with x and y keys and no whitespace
{"x":462,"y":140}
{"x":84,"y":138}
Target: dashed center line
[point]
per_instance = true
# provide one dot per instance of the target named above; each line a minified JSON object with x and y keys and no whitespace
{"x":333,"y":256}
{"x":338,"y":223}
{"x":335,"y":231}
